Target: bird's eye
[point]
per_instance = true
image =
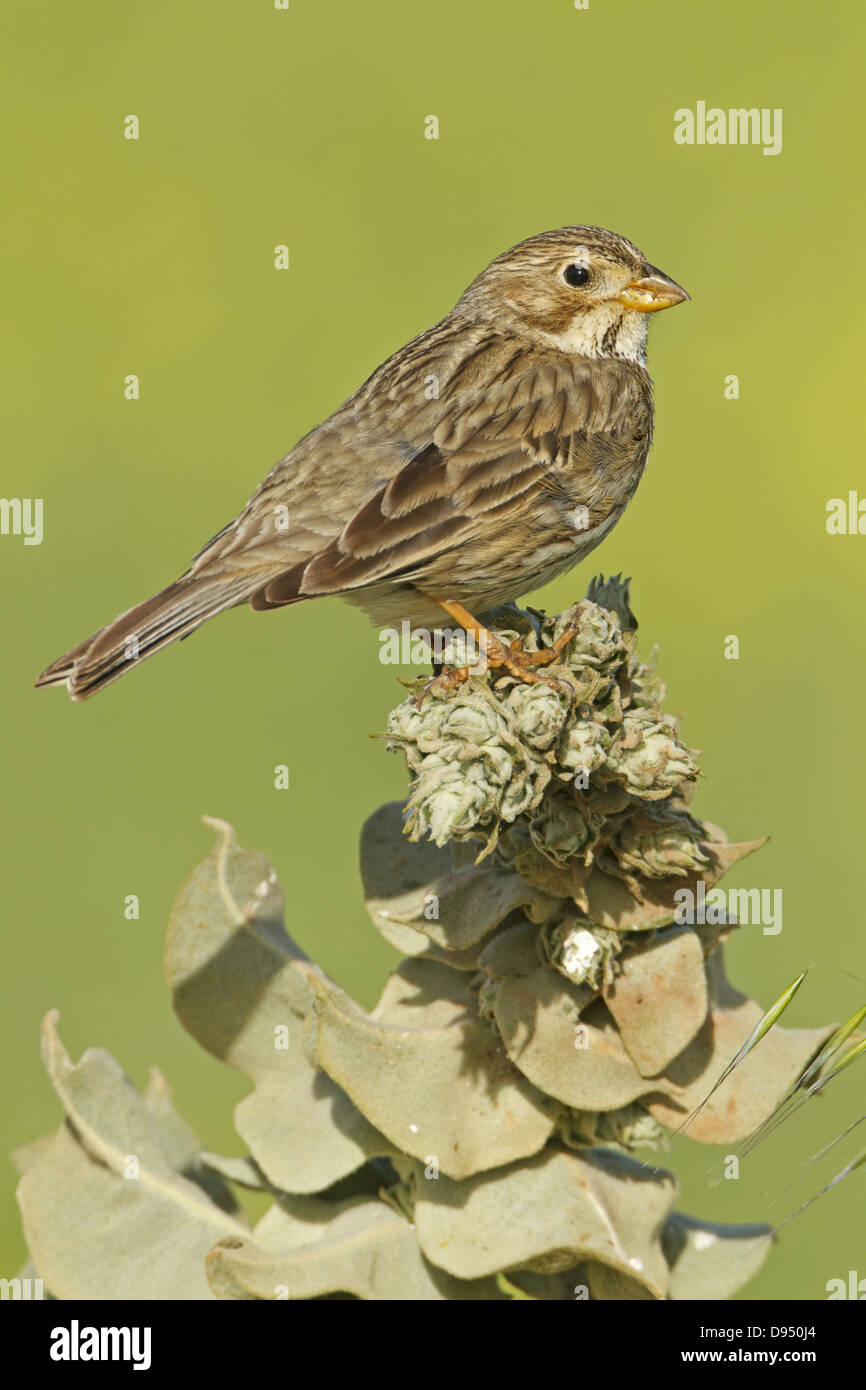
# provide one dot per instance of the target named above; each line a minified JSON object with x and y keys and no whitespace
{"x":575,"y":275}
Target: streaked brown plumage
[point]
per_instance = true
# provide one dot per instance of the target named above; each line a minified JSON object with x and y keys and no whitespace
{"x":454,"y":473}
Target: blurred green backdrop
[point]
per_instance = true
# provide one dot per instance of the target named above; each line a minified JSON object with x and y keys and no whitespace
{"x":155,"y":257}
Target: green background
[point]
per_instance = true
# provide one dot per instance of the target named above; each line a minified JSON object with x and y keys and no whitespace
{"x":156,"y":258}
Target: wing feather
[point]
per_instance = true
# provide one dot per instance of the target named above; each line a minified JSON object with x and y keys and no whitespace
{"x":543,"y":430}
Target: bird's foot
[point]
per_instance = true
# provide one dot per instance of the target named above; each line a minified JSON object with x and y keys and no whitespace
{"x":520,"y":663}
{"x":446,"y":680}
{"x":497,"y":655}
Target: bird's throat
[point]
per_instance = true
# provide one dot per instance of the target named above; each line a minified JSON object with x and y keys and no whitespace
{"x":609,"y":331}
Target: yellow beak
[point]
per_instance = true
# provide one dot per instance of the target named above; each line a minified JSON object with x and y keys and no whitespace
{"x":652,"y":292}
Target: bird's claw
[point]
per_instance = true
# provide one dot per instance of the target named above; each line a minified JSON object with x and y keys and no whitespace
{"x":512,"y":658}
{"x":447,"y":680}
{"x":519,"y":663}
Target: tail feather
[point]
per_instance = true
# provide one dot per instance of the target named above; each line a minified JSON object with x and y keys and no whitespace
{"x":173,"y":613}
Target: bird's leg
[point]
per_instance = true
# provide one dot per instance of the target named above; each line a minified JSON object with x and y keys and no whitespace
{"x":513,"y":658}
{"x":496,"y":654}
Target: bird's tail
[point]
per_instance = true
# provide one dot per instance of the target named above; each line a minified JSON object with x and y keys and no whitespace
{"x":173,"y":613}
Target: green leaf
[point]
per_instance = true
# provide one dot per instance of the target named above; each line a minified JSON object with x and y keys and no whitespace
{"x":754,"y":1088}
{"x":760,"y":1030}
{"x":852,"y":1166}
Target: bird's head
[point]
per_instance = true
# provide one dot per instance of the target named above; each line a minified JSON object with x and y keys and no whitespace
{"x":583,"y":290}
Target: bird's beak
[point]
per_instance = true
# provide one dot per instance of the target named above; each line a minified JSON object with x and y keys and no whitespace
{"x":653,"y":291}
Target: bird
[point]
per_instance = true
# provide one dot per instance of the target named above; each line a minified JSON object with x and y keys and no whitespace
{"x":486,"y":457}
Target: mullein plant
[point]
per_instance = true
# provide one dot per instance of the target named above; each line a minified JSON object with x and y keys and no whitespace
{"x":491,"y":1129}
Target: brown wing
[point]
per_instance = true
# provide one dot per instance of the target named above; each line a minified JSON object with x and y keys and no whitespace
{"x":545,"y":430}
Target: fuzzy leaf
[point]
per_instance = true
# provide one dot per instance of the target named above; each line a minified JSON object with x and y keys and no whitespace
{"x":555,"y":1034}
{"x":244,"y":1172}
{"x":93,"y":1232}
{"x":609,"y":901}
{"x":429,"y":1073}
{"x":610,"y":1285}
{"x":306,"y":1248}
{"x":242,"y":989}
{"x":415,"y":885}
{"x":710,"y":1261}
{"x":659,"y":999}
{"x":549,"y":1213}
{"x":182,"y":1145}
